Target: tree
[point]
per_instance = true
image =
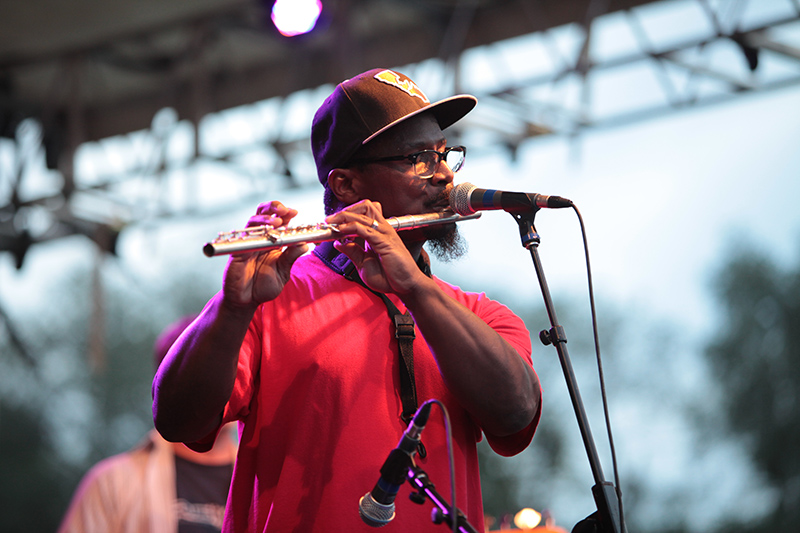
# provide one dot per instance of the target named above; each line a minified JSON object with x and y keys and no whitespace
{"x":756,"y":359}
{"x":59,"y":413}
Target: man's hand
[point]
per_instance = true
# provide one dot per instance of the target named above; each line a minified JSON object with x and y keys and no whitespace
{"x":254,"y":278}
{"x":377,"y":251}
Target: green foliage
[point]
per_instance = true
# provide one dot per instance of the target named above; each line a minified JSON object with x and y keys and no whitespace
{"x":756,"y":358}
{"x":32,"y":491}
{"x":60,"y":412}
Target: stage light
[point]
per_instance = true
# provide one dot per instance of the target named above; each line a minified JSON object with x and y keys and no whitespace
{"x":527,"y":519}
{"x":295,"y":17}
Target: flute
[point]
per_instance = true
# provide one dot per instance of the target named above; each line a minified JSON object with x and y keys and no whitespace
{"x":261,"y":238}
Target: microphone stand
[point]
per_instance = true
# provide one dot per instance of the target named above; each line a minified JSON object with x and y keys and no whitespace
{"x":607,"y":518}
{"x":443,"y":512}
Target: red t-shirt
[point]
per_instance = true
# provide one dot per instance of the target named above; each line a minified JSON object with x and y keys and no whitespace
{"x":317,"y":397}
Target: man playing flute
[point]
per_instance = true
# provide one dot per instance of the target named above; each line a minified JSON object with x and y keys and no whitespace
{"x":306,"y":350}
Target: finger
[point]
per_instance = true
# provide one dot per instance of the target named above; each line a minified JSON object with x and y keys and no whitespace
{"x":352,"y":250}
{"x":289,"y":256}
{"x":271,"y":207}
{"x":362,"y":225}
{"x":266,"y":220}
{"x":273,"y":214}
{"x":364,"y":207}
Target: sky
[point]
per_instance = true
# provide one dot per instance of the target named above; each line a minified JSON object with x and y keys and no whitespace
{"x":665,"y":201}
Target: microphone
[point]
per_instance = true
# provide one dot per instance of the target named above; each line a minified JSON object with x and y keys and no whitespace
{"x":465,"y":199}
{"x":377,"y":507}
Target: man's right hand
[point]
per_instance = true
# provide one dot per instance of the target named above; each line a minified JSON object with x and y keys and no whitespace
{"x":254,"y":278}
{"x":196,"y":378}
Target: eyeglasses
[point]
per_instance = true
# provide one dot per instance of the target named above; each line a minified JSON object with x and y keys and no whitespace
{"x":426,"y":162}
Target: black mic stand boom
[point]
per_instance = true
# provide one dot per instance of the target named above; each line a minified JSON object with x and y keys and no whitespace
{"x":607,"y":519}
{"x":443,"y":512}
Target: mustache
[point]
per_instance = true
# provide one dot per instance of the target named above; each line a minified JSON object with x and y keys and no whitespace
{"x":441,"y":198}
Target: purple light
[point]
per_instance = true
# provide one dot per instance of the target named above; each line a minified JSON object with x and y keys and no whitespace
{"x":295,"y":17}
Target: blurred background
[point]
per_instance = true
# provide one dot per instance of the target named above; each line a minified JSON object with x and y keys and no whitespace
{"x":131,"y":133}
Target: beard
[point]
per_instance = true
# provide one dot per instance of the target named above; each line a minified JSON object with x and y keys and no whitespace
{"x":445,"y":242}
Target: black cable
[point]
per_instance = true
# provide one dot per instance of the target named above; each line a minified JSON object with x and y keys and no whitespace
{"x":600,"y":368}
{"x":451,"y":460}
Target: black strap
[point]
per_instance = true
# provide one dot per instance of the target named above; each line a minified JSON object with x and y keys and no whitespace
{"x":403,"y":322}
{"x":404,"y":333}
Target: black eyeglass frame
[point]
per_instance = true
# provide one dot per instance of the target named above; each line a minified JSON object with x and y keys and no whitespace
{"x":442,"y":156}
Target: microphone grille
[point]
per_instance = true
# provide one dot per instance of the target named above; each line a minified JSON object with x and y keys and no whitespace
{"x":374,"y":513}
{"x":459,"y":198}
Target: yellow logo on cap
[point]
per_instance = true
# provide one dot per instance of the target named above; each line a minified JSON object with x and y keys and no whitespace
{"x":404,"y":84}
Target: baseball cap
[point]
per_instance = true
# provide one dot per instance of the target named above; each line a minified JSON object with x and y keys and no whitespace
{"x":363,"y":107}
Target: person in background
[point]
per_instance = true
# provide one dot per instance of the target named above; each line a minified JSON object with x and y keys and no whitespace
{"x":158,"y":486}
{"x":307,"y":352}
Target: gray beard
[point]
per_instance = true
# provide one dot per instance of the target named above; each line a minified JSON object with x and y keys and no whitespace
{"x":445,"y":242}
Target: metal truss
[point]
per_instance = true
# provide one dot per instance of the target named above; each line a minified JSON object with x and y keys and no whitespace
{"x":604,"y":70}
{"x":712,"y":54}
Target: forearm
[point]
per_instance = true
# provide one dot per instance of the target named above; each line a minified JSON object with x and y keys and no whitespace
{"x":196,"y":378}
{"x":488,"y":376}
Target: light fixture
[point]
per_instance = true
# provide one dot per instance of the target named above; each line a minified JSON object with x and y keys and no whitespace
{"x":527,"y":518}
{"x":295,"y":17}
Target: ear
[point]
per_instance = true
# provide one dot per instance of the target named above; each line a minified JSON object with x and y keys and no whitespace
{"x":343,"y":182}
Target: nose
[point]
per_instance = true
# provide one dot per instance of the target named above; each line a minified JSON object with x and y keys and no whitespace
{"x":443,"y":175}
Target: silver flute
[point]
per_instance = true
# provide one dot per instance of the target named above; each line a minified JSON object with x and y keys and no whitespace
{"x":260,"y":238}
